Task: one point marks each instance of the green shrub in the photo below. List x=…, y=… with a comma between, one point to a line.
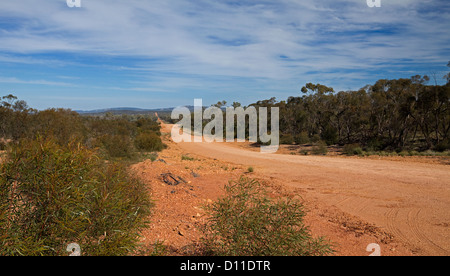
x=304, y=152
x=53, y=195
x=62, y=124
x=250, y=169
x=375, y=144
x=152, y=156
x=353, y=149
x=187, y=158
x=315, y=138
x=286, y=139
x=148, y=124
x=149, y=141
x=245, y=222
x=302, y=138
x=330, y=135
x=117, y=146
x=443, y=146
x=320, y=148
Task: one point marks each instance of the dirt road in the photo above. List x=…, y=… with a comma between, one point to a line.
x=410, y=200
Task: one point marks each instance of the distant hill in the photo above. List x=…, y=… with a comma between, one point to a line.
x=127, y=110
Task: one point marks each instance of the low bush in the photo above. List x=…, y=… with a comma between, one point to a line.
x=149, y=141
x=302, y=138
x=152, y=156
x=187, y=158
x=320, y=148
x=304, y=152
x=117, y=146
x=330, y=135
x=62, y=124
x=148, y=124
x=443, y=146
x=315, y=138
x=287, y=139
x=245, y=222
x=353, y=149
x=53, y=195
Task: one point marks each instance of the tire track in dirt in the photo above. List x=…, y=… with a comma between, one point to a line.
x=413, y=223
x=392, y=225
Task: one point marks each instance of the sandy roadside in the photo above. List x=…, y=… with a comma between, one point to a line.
x=354, y=202
x=409, y=200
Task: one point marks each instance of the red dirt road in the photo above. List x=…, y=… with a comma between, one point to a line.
x=410, y=200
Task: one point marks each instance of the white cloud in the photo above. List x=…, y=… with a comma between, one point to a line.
x=278, y=40
x=35, y=82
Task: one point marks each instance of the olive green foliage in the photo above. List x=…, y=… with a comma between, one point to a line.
x=122, y=137
x=246, y=222
x=389, y=115
x=443, y=146
x=62, y=124
x=116, y=146
x=53, y=195
x=14, y=116
x=59, y=189
x=302, y=138
x=287, y=139
x=116, y=136
x=149, y=141
x=187, y=158
x=319, y=148
x=353, y=149
x=330, y=135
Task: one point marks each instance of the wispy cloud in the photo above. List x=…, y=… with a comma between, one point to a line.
x=34, y=82
x=185, y=45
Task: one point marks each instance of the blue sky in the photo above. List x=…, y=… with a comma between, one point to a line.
x=148, y=54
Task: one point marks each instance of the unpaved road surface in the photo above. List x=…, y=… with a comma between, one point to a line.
x=410, y=200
